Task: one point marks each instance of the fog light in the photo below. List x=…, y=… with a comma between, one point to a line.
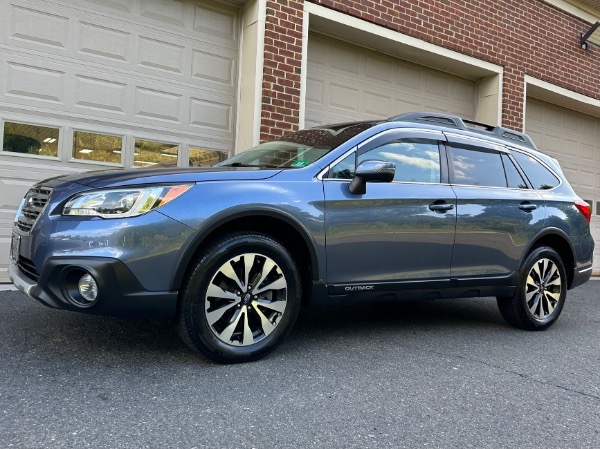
x=88, y=288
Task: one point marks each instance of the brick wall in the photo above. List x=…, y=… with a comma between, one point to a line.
x=526, y=37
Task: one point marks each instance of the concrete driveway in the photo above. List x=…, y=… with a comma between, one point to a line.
x=432, y=374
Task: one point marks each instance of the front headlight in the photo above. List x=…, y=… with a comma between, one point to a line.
x=120, y=203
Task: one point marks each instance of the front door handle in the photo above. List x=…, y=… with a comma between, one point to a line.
x=527, y=207
x=440, y=206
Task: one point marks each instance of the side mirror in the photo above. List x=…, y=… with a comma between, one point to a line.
x=371, y=171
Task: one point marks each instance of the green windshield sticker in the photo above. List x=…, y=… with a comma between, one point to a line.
x=300, y=164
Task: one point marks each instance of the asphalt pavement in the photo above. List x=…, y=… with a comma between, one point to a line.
x=436, y=374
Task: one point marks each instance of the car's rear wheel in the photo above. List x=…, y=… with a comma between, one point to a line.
x=241, y=298
x=541, y=291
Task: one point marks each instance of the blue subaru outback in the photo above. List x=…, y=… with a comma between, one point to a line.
x=418, y=206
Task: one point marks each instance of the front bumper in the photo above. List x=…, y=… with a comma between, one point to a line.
x=119, y=292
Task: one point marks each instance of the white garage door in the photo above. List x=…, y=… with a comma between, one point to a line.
x=348, y=82
x=89, y=83
x=573, y=139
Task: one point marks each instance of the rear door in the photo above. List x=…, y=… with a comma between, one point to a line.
x=397, y=231
x=498, y=212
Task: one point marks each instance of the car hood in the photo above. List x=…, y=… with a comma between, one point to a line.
x=120, y=177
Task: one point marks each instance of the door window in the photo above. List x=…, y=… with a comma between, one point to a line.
x=416, y=160
x=477, y=168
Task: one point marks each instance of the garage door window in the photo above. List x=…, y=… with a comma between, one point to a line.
x=155, y=154
x=97, y=147
x=30, y=139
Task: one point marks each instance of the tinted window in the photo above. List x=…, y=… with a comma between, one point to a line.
x=477, y=168
x=539, y=176
x=513, y=177
x=417, y=160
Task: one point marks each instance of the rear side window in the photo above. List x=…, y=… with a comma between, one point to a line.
x=540, y=177
x=513, y=177
x=477, y=168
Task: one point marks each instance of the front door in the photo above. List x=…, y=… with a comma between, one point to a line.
x=397, y=231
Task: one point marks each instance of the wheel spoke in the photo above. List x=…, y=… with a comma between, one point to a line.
x=248, y=263
x=248, y=337
x=266, y=269
x=228, y=271
x=551, y=272
x=536, y=271
x=529, y=292
x=555, y=281
x=215, y=315
x=535, y=304
x=228, y=331
x=218, y=292
x=277, y=306
x=267, y=326
x=549, y=303
x=555, y=296
x=275, y=285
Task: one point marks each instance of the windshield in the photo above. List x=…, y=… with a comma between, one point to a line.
x=298, y=149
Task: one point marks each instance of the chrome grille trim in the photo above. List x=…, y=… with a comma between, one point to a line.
x=35, y=202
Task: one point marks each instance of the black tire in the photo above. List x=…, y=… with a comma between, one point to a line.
x=541, y=291
x=222, y=315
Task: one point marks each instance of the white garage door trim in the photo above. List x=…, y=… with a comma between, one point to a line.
x=542, y=90
x=349, y=82
x=363, y=33
x=584, y=174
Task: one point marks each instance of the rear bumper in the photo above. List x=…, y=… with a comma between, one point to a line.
x=119, y=292
x=581, y=276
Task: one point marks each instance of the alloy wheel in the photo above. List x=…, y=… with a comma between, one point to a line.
x=543, y=288
x=246, y=299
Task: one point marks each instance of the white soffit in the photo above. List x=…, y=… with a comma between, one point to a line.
x=585, y=10
x=354, y=30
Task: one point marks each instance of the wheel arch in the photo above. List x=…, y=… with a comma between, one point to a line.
x=559, y=241
x=272, y=222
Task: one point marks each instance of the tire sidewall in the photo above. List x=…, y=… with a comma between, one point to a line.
x=197, y=286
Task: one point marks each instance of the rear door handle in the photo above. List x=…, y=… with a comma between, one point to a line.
x=527, y=207
x=440, y=206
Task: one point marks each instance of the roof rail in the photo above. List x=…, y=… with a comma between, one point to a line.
x=454, y=121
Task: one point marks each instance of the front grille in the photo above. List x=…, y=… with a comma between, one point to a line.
x=28, y=268
x=34, y=204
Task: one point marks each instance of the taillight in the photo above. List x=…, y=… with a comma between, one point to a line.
x=585, y=209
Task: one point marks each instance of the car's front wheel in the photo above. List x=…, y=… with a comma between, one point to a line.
x=241, y=298
x=541, y=291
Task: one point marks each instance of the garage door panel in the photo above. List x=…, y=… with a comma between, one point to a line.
x=39, y=26
x=379, y=68
x=160, y=55
x=347, y=82
x=103, y=42
x=157, y=70
x=170, y=11
x=100, y=94
x=26, y=80
x=571, y=137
